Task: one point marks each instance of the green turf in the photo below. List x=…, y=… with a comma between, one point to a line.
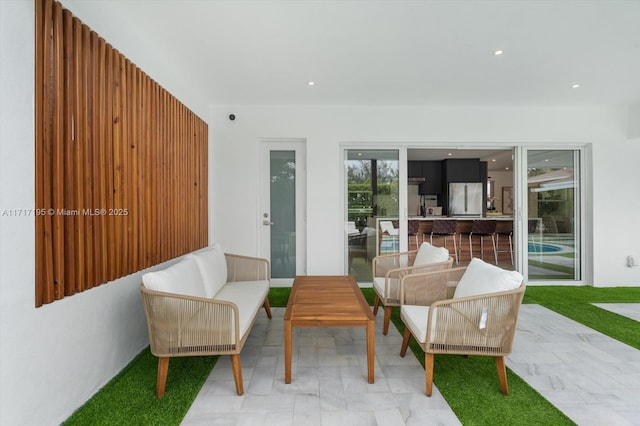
x=130, y=397
x=470, y=385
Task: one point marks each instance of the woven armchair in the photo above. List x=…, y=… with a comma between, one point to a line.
x=389, y=270
x=477, y=325
x=182, y=325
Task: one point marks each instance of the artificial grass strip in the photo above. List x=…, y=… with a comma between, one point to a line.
x=130, y=397
x=279, y=296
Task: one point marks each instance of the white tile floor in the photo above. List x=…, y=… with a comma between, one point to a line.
x=329, y=382
x=593, y=379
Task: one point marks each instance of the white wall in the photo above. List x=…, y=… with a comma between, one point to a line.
x=613, y=186
x=52, y=359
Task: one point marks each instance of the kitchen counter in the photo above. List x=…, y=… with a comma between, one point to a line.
x=504, y=222
x=500, y=217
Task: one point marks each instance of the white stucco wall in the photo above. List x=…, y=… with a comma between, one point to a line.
x=52, y=359
x=235, y=167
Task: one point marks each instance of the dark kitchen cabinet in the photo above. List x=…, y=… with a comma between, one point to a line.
x=461, y=170
x=414, y=169
x=432, y=172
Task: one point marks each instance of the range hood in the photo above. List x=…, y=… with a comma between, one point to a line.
x=416, y=180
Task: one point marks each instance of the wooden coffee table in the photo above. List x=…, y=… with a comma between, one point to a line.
x=327, y=301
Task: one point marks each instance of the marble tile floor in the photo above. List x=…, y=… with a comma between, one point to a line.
x=329, y=382
x=629, y=310
x=592, y=378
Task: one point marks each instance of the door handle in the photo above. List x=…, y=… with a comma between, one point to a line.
x=266, y=222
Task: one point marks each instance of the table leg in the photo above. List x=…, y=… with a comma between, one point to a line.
x=287, y=351
x=370, y=350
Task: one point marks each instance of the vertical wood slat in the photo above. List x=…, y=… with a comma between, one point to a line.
x=109, y=175
x=87, y=178
x=96, y=165
x=124, y=165
x=79, y=149
x=68, y=146
x=108, y=139
x=117, y=161
x=42, y=254
x=101, y=189
x=133, y=171
x=58, y=152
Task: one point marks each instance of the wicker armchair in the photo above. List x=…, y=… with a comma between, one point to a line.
x=388, y=271
x=186, y=325
x=483, y=324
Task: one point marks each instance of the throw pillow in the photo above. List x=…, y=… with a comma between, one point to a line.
x=482, y=278
x=213, y=266
x=428, y=254
x=180, y=278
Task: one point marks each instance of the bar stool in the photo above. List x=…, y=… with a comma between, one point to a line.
x=443, y=228
x=506, y=229
x=482, y=229
x=413, y=227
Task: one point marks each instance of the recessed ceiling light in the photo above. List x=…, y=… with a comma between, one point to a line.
x=359, y=154
x=575, y=86
x=450, y=154
x=494, y=160
x=311, y=83
x=498, y=52
x=506, y=168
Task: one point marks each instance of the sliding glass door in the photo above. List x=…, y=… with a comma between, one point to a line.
x=372, y=204
x=553, y=215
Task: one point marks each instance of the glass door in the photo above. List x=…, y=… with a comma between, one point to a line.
x=282, y=204
x=372, y=220
x=553, y=219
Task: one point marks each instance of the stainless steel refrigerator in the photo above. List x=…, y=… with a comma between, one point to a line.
x=465, y=199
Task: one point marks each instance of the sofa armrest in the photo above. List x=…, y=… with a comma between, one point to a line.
x=245, y=268
x=182, y=325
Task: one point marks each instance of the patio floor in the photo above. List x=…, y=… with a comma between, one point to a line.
x=592, y=378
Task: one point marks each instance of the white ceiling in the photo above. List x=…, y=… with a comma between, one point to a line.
x=361, y=52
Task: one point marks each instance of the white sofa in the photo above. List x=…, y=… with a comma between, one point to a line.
x=205, y=304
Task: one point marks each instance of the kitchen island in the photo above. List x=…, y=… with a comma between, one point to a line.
x=425, y=223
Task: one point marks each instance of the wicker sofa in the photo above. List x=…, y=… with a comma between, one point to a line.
x=205, y=304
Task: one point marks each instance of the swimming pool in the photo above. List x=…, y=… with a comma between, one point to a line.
x=543, y=248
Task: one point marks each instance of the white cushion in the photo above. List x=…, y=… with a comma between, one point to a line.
x=482, y=278
x=213, y=267
x=394, y=288
x=248, y=296
x=430, y=254
x=180, y=278
x=416, y=317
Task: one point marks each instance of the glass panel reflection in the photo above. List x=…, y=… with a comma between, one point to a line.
x=283, y=213
x=553, y=215
x=372, y=201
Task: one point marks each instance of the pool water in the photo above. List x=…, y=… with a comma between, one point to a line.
x=543, y=248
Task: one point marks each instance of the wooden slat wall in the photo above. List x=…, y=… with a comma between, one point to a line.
x=121, y=164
